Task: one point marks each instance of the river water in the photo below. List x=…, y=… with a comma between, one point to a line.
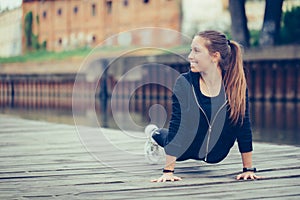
x=272, y=122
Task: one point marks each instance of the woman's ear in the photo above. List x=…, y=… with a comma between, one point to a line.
x=216, y=57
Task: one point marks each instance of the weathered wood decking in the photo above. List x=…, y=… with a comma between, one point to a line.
x=40, y=160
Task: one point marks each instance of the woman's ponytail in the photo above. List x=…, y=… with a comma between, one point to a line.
x=235, y=82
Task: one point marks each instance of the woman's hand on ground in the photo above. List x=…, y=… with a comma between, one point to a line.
x=247, y=175
x=167, y=177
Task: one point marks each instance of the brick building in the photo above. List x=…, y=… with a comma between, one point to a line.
x=67, y=24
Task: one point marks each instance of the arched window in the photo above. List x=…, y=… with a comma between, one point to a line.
x=94, y=39
x=59, y=11
x=45, y=14
x=93, y=9
x=109, y=6
x=75, y=10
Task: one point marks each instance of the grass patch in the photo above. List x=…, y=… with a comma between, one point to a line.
x=43, y=55
x=106, y=51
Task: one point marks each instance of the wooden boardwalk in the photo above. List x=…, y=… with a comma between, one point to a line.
x=41, y=160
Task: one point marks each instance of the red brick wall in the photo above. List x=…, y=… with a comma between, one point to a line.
x=72, y=28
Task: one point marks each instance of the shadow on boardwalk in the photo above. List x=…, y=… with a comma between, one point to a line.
x=40, y=160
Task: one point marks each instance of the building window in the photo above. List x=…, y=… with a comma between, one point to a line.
x=75, y=10
x=146, y=1
x=94, y=10
x=125, y=2
x=94, y=39
x=59, y=11
x=109, y=6
x=45, y=14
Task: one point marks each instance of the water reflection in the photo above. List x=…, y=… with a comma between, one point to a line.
x=273, y=122
x=276, y=122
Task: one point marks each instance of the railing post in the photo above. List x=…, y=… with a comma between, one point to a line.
x=103, y=93
x=12, y=102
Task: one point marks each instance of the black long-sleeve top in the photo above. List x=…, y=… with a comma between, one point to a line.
x=200, y=127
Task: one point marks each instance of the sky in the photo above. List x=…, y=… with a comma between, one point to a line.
x=9, y=4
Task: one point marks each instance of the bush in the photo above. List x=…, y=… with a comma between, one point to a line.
x=291, y=26
x=32, y=40
x=28, y=29
x=254, y=38
x=35, y=42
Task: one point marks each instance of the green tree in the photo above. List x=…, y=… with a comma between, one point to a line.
x=291, y=26
x=28, y=30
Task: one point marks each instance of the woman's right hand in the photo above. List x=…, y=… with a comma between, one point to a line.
x=167, y=177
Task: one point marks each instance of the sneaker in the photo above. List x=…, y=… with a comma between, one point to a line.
x=150, y=130
x=153, y=152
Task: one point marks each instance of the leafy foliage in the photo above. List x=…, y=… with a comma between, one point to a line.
x=28, y=29
x=291, y=26
x=32, y=40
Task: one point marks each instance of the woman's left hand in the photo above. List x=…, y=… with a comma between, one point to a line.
x=248, y=175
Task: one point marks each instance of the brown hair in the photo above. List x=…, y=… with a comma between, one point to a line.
x=231, y=62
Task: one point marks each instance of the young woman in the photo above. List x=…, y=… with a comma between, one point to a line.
x=209, y=109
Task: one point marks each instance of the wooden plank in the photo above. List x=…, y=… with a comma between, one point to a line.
x=40, y=160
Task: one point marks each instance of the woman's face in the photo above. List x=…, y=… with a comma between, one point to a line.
x=199, y=57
